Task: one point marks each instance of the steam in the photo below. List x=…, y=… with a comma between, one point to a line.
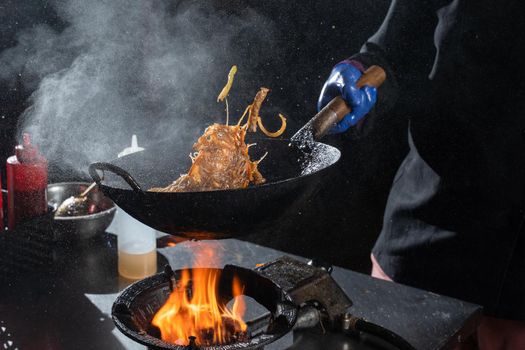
x=123, y=67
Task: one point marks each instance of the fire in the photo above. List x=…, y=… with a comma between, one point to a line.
x=194, y=309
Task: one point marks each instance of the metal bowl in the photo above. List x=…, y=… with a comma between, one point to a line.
x=79, y=227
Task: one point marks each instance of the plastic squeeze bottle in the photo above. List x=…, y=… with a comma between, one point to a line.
x=137, y=243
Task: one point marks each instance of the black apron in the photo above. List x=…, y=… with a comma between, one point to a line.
x=454, y=217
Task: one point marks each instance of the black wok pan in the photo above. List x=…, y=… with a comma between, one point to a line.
x=293, y=170
x=291, y=174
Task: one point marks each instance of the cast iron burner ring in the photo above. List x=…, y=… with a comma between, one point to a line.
x=135, y=307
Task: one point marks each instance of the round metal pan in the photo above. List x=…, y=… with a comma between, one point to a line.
x=292, y=173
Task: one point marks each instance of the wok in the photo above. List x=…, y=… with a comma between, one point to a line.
x=291, y=174
x=293, y=170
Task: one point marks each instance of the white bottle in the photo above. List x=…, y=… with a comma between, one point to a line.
x=137, y=243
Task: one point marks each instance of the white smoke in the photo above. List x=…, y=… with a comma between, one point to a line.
x=118, y=67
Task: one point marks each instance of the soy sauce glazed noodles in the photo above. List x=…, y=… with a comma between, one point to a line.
x=221, y=160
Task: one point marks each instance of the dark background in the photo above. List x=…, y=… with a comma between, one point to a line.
x=341, y=223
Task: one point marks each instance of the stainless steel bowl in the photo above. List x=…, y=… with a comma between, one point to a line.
x=83, y=226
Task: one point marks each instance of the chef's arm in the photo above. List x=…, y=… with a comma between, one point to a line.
x=393, y=47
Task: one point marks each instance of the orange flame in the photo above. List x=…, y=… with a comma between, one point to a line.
x=194, y=309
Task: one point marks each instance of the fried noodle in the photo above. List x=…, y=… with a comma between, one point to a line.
x=221, y=159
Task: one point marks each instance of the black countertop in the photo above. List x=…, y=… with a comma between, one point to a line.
x=60, y=296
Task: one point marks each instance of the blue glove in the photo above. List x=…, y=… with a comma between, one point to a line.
x=342, y=82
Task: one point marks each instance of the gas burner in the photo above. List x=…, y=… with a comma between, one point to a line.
x=134, y=309
x=295, y=294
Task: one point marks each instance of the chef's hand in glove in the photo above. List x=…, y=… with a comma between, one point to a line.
x=342, y=82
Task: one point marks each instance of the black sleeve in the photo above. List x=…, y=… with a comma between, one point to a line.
x=404, y=39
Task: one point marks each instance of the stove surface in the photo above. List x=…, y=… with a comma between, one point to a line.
x=60, y=297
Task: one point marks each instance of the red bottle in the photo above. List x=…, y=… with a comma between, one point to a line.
x=26, y=183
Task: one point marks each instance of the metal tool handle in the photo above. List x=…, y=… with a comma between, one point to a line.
x=336, y=109
x=115, y=170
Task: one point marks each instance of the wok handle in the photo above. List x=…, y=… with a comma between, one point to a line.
x=116, y=170
x=336, y=109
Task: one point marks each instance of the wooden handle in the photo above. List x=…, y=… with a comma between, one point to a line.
x=336, y=109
